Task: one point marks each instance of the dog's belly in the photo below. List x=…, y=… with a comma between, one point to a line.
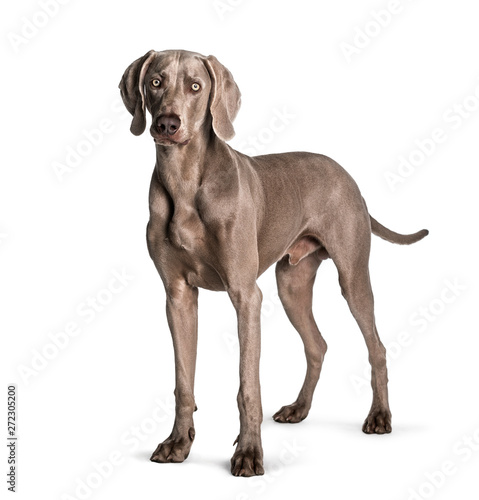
x=193, y=251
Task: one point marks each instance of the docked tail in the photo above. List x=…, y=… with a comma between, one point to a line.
x=388, y=235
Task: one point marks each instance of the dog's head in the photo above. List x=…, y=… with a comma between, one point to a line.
x=184, y=92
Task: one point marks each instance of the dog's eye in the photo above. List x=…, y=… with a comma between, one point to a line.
x=195, y=87
x=156, y=82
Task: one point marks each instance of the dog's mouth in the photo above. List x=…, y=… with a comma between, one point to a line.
x=168, y=140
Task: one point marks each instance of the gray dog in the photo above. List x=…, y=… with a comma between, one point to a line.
x=219, y=219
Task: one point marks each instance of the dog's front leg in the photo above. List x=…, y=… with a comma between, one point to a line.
x=182, y=314
x=248, y=457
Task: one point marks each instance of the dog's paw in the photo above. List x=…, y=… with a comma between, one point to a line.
x=291, y=414
x=378, y=422
x=247, y=461
x=174, y=449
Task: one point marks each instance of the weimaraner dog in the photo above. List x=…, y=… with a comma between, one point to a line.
x=219, y=219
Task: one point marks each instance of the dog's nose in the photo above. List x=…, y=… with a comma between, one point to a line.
x=168, y=124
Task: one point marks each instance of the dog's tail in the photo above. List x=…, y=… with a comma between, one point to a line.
x=393, y=237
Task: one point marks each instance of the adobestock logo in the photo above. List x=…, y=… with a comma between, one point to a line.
x=466, y=448
x=31, y=27
x=87, y=311
x=454, y=117
x=257, y=144
x=103, y=470
x=224, y=7
x=364, y=35
x=3, y=238
x=428, y=313
x=90, y=141
x=100, y=471
x=420, y=320
x=82, y=149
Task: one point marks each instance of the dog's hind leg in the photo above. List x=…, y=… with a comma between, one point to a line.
x=349, y=250
x=295, y=287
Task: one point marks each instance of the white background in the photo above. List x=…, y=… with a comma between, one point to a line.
x=63, y=237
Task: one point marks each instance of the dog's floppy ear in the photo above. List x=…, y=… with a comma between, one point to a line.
x=132, y=93
x=225, y=98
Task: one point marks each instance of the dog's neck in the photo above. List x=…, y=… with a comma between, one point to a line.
x=181, y=168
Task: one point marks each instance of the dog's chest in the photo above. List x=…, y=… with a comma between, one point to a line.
x=185, y=230
x=195, y=223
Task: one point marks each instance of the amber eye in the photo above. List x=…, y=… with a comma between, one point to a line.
x=156, y=82
x=195, y=87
